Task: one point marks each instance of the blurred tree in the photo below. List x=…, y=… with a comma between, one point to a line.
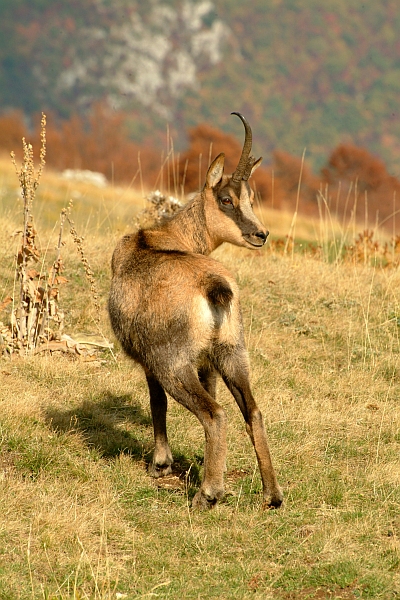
x=353, y=171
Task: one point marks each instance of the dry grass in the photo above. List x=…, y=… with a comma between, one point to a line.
x=81, y=518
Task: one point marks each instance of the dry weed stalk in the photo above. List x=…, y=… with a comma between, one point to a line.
x=78, y=240
x=38, y=295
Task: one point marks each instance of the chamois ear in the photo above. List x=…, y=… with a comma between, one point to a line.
x=215, y=171
x=255, y=166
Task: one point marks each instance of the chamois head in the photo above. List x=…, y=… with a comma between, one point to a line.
x=229, y=199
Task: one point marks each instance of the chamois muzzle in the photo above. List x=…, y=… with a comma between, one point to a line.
x=256, y=239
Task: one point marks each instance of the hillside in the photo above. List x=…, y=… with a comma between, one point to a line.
x=308, y=74
x=80, y=517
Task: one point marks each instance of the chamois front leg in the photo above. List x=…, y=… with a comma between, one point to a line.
x=162, y=457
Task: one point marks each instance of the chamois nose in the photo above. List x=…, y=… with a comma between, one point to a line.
x=262, y=235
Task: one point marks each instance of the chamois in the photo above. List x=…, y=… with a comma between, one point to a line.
x=176, y=312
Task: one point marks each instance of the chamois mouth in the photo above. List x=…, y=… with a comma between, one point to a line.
x=257, y=240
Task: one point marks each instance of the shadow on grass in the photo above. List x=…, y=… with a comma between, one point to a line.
x=114, y=425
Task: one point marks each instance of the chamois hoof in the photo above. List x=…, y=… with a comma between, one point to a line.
x=272, y=500
x=203, y=501
x=157, y=471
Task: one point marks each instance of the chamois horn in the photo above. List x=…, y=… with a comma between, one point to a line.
x=246, y=161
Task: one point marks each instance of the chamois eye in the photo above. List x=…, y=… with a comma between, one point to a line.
x=226, y=201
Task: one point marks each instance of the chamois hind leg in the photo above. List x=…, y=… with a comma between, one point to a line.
x=208, y=379
x=186, y=389
x=235, y=373
x=162, y=457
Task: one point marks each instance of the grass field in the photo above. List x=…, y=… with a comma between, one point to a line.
x=81, y=519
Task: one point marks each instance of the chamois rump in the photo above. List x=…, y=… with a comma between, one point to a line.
x=176, y=312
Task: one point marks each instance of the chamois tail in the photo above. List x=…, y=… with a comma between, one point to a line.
x=218, y=291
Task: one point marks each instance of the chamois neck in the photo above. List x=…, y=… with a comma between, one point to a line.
x=186, y=231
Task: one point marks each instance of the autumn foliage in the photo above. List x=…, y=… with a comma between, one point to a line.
x=352, y=183
x=98, y=142
x=363, y=177
x=12, y=130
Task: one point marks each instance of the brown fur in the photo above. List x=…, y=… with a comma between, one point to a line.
x=176, y=311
